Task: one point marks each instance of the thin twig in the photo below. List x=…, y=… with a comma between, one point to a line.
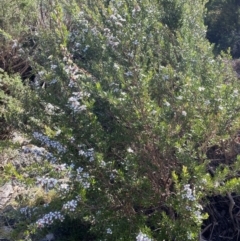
x=232, y=204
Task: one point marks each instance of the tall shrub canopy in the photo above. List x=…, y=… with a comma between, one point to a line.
x=127, y=100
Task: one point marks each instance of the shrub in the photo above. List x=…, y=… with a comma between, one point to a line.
x=132, y=104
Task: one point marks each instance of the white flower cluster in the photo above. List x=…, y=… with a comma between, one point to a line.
x=188, y=193
x=80, y=94
x=38, y=151
x=112, y=176
x=94, y=31
x=53, y=66
x=26, y=211
x=48, y=219
x=111, y=40
x=74, y=104
x=46, y=182
x=64, y=187
x=72, y=83
x=83, y=177
x=71, y=69
x=117, y=17
x=184, y=113
x=49, y=156
x=60, y=167
x=46, y=141
x=197, y=214
x=142, y=237
x=129, y=73
x=89, y=153
x=109, y=230
x=196, y=208
x=189, y=236
x=70, y=205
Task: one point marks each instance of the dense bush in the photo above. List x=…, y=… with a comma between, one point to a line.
x=125, y=105
x=17, y=23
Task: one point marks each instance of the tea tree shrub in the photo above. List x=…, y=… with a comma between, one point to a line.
x=132, y=103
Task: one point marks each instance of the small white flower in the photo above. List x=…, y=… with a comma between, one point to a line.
x=165, y=77
x=64, y=186
x=129, y=73
x=201, y=88
x=184, y=113
x=41, y=73
x=102, y=163
x=113, y=17
x=189, y=235
x=220, y=107
x=112, y=176
x=79, y=170
x=188, y=193
x=70, y=205
x=130, y=150
x=154, y=112
x=113, y=44
x=71, y=84
x=58, y=133
x=85, y=175
x=188, y=208
x=130, y=55
x=109, y=231
x=207, y=102
x=179, y=97
x=204, y=181
x=86, y=48
x=142, y=237
x=53, y=81
x=72, y=139
x=81, y=153
x=116, y=66
x=53, y=66
x=135, y=42
x=107, y=30
x=167, y=103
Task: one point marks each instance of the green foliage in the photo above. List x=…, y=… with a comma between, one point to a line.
x=10, y=89
x=17, y=22
x=131, y=100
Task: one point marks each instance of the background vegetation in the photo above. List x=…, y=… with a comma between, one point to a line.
x=223, y=21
